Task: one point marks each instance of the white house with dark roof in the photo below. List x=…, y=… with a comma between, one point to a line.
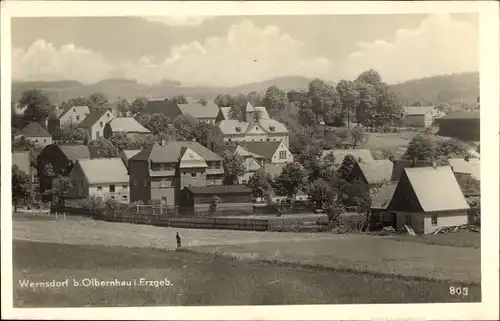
x=416, y=203
x=104, y=178
x=126, y=125
x=37, y=134
x=94, y=123
x=70, y=114
x=229, y=132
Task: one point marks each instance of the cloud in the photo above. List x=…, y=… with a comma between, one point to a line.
x=246, y=54
x=440, y=45
x=43, y=61
x=177, y=21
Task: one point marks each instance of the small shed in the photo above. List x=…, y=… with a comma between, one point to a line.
x=229, y=197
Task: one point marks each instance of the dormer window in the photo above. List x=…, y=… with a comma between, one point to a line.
x=256, y=128
x=102, y=124
x=238, y=129
x=107, y=115
x=74, y=110
x=77, y=117
x=272, y=128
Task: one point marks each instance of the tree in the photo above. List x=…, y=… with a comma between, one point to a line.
x=371, y=77
x=451, y=148
x=349, y=98
x=236, y=113
x=322, y=193
x=202, y=102
x=260, y=183
x=37, y=104
x=156, y=123
x=346, y=166
x=71, y=133
x=421, y=147
x=292, y=179
x=275, y=98
x=98, y=101
x=323, y=99
x=255, y=98
x=123, y=107
x=78, y=101
x=366, y=103
x=387, y=103
x=179, y=99
x=224, y=100
x=121, y=141
x=21, y=186
x=234, y=166
x=138, y=105
x=61, y=185
x=104, y=148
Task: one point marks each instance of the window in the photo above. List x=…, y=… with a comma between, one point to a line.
x=112, y=188
x=262, y=139
x=107, y=115
x=434, y=219
x=124, y=197
x=268, y=139
x=44, y=140
x=124, y=186
x=217, y=165
x=271, y=128
x=163, y=183
x=102, y=124
x=77, y=117
x=73, y=182
x=36, y=140
x=112, y=197
x=238, y=129
x=99, y=188
x=282, y=155
x=229, y=140
x=243, y=182
x=81, y=183
x=193, y=175
x=97, y=134
x=74, y=110
x=408, y=220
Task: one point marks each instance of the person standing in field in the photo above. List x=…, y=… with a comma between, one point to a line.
x=178, y=238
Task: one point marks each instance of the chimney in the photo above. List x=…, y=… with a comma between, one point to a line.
x=163, y=142
x=466, y=158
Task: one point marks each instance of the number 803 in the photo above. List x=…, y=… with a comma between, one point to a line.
x=459, y=290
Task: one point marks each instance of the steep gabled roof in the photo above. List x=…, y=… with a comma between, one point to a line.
x=93, y=117
x=83, y=109
x=75, y=152
x=376, y=171
x=166, y=107
x=127, y=125
x=264, y=149
x=436, y=189
x=104, y=170
x=35, y=129
x=211, y=110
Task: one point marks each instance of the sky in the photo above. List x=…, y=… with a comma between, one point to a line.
x=235, y=50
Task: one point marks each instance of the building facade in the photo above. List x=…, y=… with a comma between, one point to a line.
x=94, y=123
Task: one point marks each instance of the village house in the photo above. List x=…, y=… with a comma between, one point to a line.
x=252, y=161
x=420, y=116
x=125, y=125
x=160, y=173
x=418, y=206
x=168, y=108
x=95, y=121
x=37, y=134
x=61, y=117
x=274, y=152
x=103, y=178
x=361, y=155
x=208, y=113
x=464, y=125
x=60, y=160
x=231, y=132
